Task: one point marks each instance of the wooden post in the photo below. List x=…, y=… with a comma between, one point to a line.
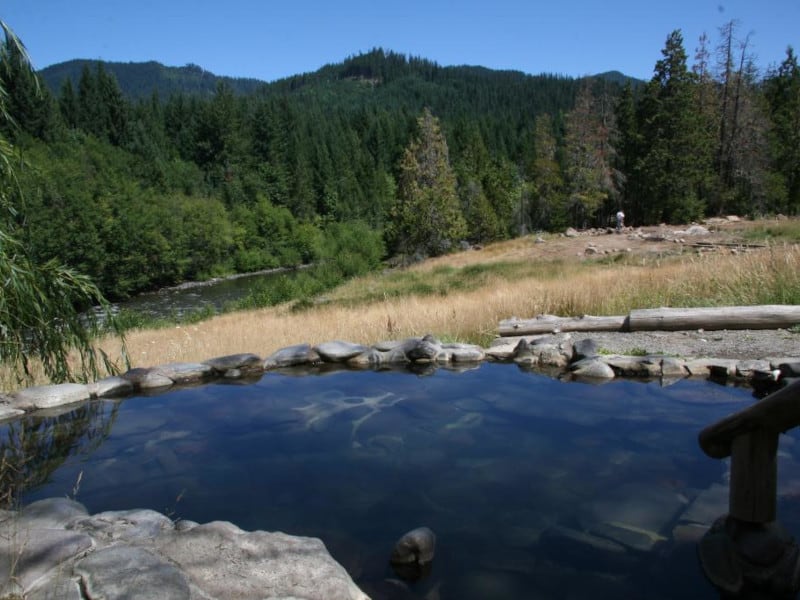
x=754, y=477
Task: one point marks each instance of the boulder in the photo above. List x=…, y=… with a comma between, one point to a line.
x=634, y=366
x=222, y=561
x=425, y=350
x=51, y=545
x=416, y=546
x=110, y=387
x=591, y=368
x=48, y=396
x=752, y=368
x=147, y=379
x=301, y=354
x=50, y=513
x=461, y=353
x=242, y=362
x=127, y=572
x=7, y=413
x=181, y=373
x=123, y=525
x=338, y=351
x=369, y=358
x=585, y=348
x=672, y=368
x=524, y=354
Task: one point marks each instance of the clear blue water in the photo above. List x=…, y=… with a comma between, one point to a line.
x=491, y=459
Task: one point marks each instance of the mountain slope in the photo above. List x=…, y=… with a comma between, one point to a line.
x=140, y=80
x=372, y=69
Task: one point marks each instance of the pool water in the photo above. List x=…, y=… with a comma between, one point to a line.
x=521, y=476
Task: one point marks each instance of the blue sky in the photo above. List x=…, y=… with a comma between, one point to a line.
x=269, y=40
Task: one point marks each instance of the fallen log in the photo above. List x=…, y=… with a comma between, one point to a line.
x=773, y=316
x=552, y=324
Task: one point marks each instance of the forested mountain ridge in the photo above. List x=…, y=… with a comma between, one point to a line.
x=386, y=154
x=138, y=80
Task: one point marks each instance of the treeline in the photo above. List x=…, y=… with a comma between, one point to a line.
x=387, y=155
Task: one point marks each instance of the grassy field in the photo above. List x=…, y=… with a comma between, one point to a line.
x=462, y=297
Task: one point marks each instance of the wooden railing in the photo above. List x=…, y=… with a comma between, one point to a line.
x=747, y=554
x=750, y=438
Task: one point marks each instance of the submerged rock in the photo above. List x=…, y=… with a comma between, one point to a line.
x=416, y=546
x=412, y=554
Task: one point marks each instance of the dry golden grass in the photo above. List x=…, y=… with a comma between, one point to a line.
x=568, y=288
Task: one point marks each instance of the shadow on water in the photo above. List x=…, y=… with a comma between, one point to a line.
x=535, y=488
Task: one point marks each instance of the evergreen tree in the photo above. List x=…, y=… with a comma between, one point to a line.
x=31, y=104
x=588, y=155
x=68, y=104
x=674, y=166
x=548, y=209
x=427, y=218
x=782, y=90
x=628, y=143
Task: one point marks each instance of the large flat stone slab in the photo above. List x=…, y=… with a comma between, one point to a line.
x=129, y=573
x=27, y=555
x=635, y=506
x=223, y=561
x=54, y=549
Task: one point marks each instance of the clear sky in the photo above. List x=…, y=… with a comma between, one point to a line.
x=268, y=40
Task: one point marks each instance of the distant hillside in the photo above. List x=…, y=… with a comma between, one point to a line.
x=140, y=80
x=377, y=67
x=618, y=78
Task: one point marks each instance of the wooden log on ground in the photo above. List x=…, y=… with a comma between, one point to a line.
x=772, y=316
x=550, y=324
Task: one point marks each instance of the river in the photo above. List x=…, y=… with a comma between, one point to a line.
x=187, y=298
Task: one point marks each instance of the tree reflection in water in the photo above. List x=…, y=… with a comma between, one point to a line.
x=32, y=448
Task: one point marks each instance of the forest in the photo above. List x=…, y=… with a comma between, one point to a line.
x=383, y=157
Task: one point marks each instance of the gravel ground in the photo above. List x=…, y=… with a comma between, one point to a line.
x=739, y=344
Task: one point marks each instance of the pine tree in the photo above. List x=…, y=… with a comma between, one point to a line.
x=782, y=90
x=426, y=218
x=547, y=210
x=588, y=157
x=673, y=165
x=29, y=102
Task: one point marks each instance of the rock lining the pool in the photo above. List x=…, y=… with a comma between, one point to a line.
x=54, y=548
x=568, y=355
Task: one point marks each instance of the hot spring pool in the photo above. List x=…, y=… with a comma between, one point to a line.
x=507, y=466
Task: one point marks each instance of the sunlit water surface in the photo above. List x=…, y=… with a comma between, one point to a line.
x=494, y=460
